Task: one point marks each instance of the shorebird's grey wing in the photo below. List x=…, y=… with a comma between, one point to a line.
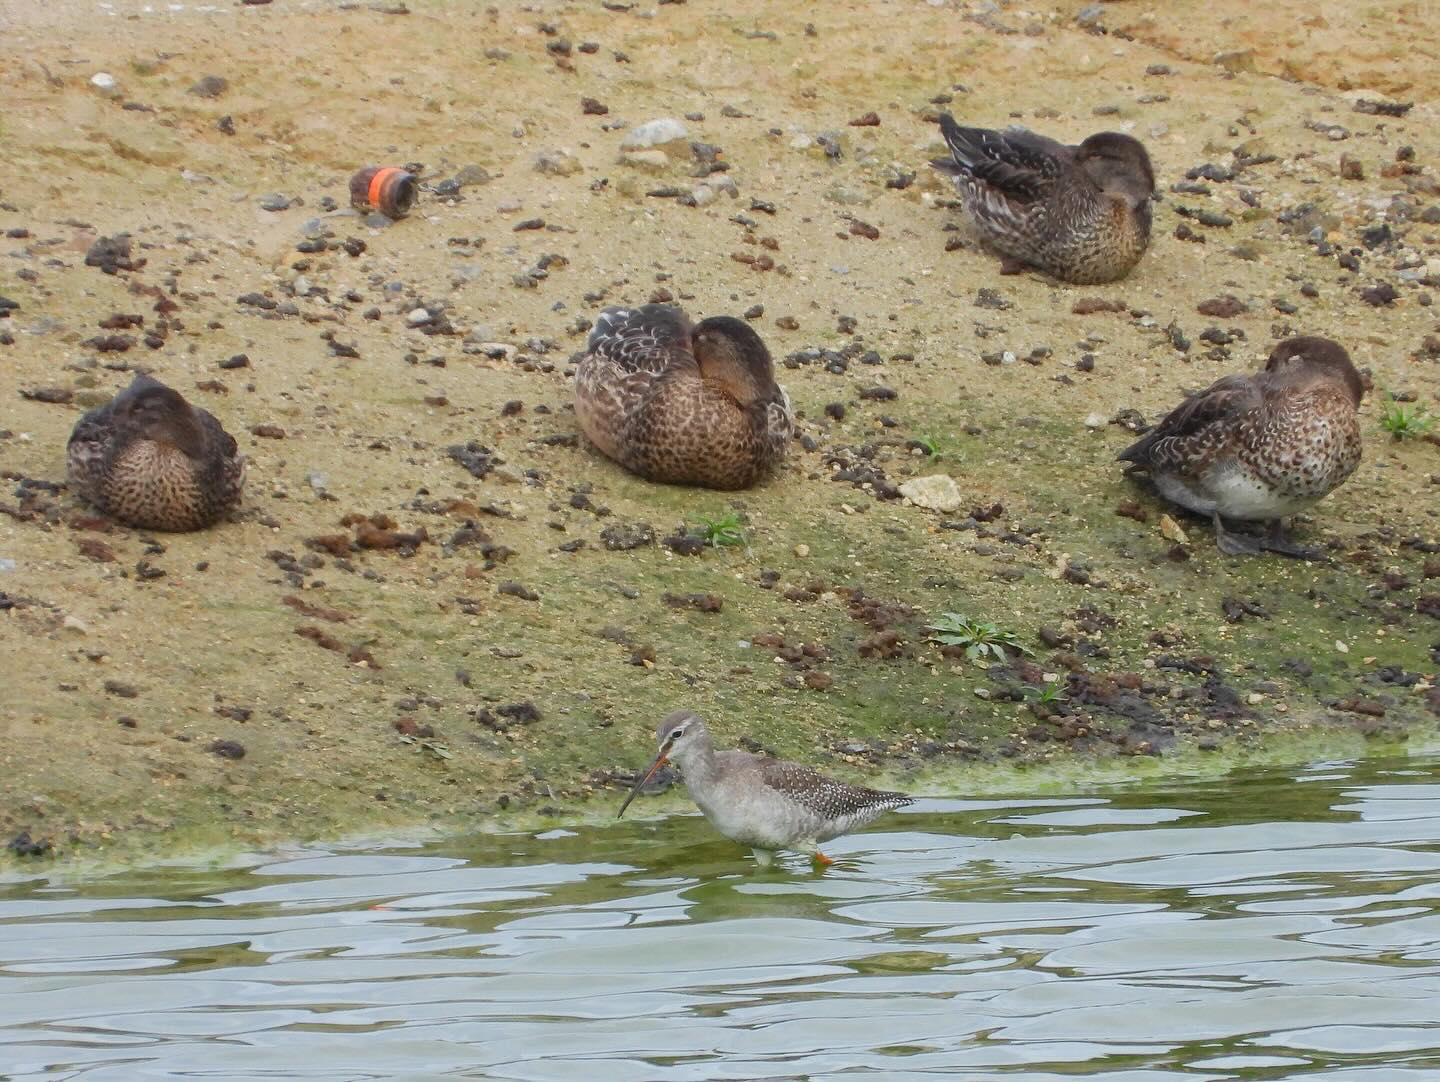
x=826, y=797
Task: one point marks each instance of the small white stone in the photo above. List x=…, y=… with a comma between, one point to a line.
x=557, y=163
x=660, y=132
x=802, y=550
x=104, y=82
x=75, y=624
x=937, y=492
x=418, y=317
x=1095, y=420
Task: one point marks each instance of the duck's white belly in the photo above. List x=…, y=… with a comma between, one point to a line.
x=1234, y=493
x=1238, y=494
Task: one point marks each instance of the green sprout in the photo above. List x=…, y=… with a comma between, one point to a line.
x=980, y=638
x=1051, y=693
x=1404, y=423
x=929, y=444
x=719, y=532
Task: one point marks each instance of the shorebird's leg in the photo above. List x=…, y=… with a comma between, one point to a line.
x=1233, y=544
x=1278, y=542
x=763, y=857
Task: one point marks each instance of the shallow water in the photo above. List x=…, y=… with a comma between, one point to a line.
x=1282, y=925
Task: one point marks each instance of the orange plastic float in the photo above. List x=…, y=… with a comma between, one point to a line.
x=386, y=188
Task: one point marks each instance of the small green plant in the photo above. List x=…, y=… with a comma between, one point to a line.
x=719, y=532
x=1403, y=423
x=434, y=747
x=929, y=444
x=980, y=638
x=1052, y=692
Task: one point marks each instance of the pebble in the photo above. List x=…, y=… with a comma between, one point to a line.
x=651, y=160
x=212, y=86
x=274, y=202
x=554, y=163
x=936, y=492
x=418, y=317
x=666, y=132
x=106, y=83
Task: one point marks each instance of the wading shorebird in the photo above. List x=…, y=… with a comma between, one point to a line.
x=1260, y=447
x=679, y=402
x=767, y=804
x=150, y=459
x=1080, y=213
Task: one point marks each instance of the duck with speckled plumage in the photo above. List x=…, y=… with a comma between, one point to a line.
x=150, y=459
x=680, y=402
x=1080, y=213
x=1260, y=447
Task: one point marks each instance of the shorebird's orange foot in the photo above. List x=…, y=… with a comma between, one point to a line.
x=821, y=859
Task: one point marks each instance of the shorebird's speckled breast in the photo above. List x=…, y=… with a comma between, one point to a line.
x=771, y=804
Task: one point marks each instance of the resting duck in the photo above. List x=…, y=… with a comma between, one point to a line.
x=1260, y=447
x=682, y=403
x=1080, y=213
x=150, y=459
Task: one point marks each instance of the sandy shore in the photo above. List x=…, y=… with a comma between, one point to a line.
x=271, y=679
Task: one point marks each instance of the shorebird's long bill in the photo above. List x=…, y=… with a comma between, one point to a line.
x=660, y=760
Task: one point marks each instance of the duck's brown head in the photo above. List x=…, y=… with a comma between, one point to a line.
x=153, y=411
x=1118, y=163
x=1310, y=357
x=730, y=352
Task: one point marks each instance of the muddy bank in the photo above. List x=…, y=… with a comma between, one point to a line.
x=438, y=605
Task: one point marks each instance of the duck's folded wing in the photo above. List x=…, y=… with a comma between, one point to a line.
x=650, y=339
x=96, y=427
x=1016, y=162
x=1203, y=418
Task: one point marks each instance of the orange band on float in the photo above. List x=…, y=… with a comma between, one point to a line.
x=377, y=182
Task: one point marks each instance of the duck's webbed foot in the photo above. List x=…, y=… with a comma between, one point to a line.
x=1278, y=542
x=1234, y=544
